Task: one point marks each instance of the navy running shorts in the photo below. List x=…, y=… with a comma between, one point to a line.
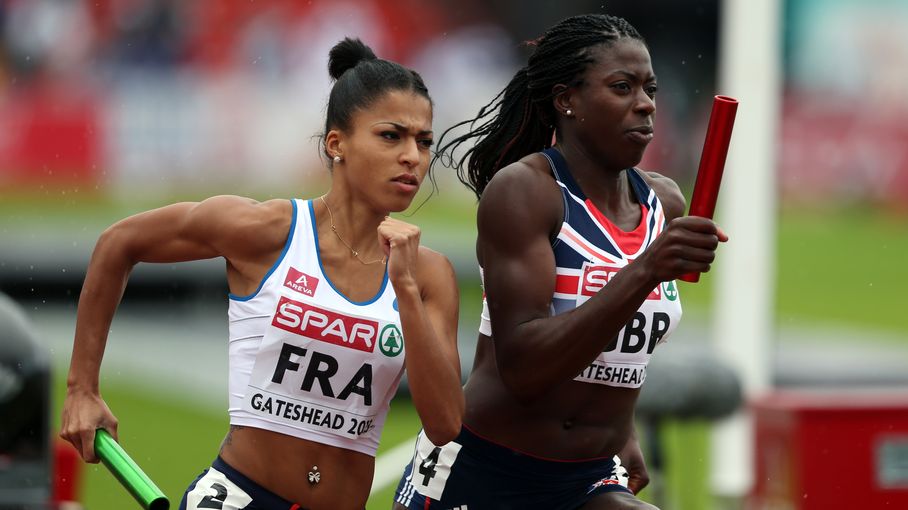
x=473, y=473
x=225, y=488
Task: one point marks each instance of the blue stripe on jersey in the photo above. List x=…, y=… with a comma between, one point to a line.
x=583, y=238
x=276, y=262
x=578, y=218
x=564, y=177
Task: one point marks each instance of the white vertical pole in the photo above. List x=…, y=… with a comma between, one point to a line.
x=750, y=70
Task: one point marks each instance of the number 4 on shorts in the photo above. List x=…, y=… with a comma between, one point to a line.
x=427, y=466
x=432, y=466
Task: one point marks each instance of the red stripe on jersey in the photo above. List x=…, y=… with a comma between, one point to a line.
x=566, y=284
x=660, y=222
x=589, y=247
x=628, y=242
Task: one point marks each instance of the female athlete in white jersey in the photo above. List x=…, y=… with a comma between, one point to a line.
x=329, y=299
x=579, y=251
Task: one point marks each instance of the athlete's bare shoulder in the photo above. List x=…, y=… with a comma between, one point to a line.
x=532, y=169
x=521, y=206
x=432, y=257
x=243, y=221
x=434, y=267
x=272, y=213
x=525, y=188
x=669, y=194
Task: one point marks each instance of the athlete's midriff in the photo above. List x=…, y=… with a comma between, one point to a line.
x=282, y=463
x=573, y=421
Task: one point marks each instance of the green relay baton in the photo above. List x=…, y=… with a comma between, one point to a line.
x=129, y=473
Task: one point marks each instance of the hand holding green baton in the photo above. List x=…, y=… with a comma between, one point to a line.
x=129, y=473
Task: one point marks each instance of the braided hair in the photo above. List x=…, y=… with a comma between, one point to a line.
x=520, y=119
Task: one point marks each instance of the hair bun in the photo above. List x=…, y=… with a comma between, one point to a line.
x=346, y=54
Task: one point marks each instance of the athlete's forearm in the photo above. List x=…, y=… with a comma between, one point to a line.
x=632, y=458
x=540, y=354
x=431, y=370
x=105, y=281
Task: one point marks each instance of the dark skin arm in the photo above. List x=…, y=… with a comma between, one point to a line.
x=520, y=211
x=632, y=460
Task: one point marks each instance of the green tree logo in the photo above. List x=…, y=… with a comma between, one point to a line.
x=391, y=341
x=670, y=291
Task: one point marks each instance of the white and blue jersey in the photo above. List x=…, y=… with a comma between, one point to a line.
x=304, y=359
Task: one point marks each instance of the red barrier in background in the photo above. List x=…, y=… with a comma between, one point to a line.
x=50, y=135
x=835, y=148
x=825, y=450
x=67, y=473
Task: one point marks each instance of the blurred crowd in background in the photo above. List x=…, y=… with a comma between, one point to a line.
x=166, y=95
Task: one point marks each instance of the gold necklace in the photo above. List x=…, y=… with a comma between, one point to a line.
x=345, y=243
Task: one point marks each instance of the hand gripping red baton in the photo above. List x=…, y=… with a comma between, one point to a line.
x=712, y=163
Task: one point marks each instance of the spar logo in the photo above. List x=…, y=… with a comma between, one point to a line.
x=391, y=342
x=595, y=277
x=300, y=282
x=325, y=325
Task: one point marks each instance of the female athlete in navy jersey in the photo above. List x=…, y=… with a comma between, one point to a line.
x=578, y=252
x=329, y=298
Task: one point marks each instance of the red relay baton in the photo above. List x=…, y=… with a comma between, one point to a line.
x=712, y=163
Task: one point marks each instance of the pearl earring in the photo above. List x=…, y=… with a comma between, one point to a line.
x=337, y=159
x=569, y=112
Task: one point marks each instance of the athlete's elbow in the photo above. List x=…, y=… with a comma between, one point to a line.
x=442, y=424
x=441, y=436
x=443, y=431
x=114, y=246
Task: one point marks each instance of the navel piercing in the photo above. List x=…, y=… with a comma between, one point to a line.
x=314, y=475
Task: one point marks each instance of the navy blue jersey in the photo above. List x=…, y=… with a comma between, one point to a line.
x=589, y=250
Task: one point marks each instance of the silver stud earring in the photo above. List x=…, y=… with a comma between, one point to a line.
x=569, y=112
x=337, y=159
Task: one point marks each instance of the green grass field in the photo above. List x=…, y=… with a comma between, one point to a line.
x=835, y=267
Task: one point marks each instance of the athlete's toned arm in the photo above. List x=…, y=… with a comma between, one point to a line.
x=520, y=211
x=428, y=300
x=219, y=226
